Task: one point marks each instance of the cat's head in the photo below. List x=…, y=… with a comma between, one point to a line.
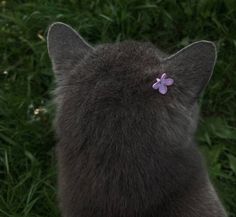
x=109, y=87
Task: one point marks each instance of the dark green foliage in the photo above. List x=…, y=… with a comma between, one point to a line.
x=27, y=163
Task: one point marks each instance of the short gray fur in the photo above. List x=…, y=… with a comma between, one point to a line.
x=125, y=150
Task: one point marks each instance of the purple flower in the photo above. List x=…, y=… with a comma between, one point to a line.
x=162, y=83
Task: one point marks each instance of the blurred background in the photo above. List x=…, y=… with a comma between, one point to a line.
x=27, y=162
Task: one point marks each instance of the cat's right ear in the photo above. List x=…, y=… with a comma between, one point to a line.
x=65, y=47
x=191, y=68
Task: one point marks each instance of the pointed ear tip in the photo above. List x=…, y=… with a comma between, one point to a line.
x=55, y=26
x=209, y=44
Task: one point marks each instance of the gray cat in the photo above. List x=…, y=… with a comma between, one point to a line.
x=126, y=118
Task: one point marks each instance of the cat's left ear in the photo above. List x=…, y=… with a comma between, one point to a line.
x=192, y=67
x=65, y=47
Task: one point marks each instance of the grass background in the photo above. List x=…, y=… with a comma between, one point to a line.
x=27, y=164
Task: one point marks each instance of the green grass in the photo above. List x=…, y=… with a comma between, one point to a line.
x=27, y=162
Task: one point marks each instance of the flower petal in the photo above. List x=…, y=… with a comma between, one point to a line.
x=163, y=89
x=163, y=76
x=168, y=81
x=156, y=85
